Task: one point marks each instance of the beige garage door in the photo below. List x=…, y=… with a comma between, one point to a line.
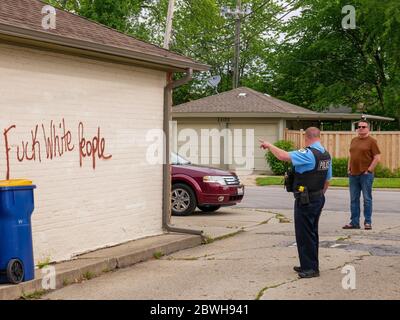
x=265, y=131
x=227, y=149
x=201, y=143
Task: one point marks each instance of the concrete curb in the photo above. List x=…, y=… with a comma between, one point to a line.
x=96, y=263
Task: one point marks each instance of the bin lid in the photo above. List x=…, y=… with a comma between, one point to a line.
x=15, y=183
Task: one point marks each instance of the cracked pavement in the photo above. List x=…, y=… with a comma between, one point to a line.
x=257, y=262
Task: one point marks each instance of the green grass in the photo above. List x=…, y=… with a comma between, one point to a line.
x=335, y=182
x=45, y=263
x=88, y=275
x=207, y=240
x=158, y=255
x=282, y=218
x=33, y=295
x=269, y=181
x=66, y=282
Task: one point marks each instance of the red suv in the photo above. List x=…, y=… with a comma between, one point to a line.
x=203, y=187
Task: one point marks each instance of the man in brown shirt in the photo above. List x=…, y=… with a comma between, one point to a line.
x=364, y=156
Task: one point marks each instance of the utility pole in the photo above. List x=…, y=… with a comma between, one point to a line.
x=236, y=61
x=237, y=14
x=168, y=30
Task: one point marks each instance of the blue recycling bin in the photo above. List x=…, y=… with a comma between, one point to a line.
x=16, y=251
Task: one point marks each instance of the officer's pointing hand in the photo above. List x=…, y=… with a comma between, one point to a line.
x=264, y=144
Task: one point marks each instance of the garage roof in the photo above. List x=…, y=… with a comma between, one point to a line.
x=23, y=19
x=247, y=103
x=241, y=100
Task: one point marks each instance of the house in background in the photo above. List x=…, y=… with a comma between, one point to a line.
x=76, y=105
x=245, y=109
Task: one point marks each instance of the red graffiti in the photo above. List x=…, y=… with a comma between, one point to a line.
x=92, y=148
x=57, y=145
x=8, y=150
x=35, y=148
x=57, y=141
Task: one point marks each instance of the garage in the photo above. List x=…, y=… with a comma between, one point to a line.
x=229, y=145
x=269, y=130
x=77, y=103
x=242, y=116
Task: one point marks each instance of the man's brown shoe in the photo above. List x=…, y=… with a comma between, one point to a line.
x=367, y=226
x=350, y=226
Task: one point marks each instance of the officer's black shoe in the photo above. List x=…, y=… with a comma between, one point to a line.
x=308, y=274
x=297, y=269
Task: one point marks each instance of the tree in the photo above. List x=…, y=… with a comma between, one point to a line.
x=309, y=60
x=321, y=64
x=122, y=15
x=201, y=33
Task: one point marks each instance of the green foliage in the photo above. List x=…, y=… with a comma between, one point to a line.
x=199, y=31
x=320, y=64
x=339, y=167
x=117, y=14
x=396, y=173
x=279, y=167
x=88, y=275
x=36, y=295
x=308, y=60
x=203, y=34
x=383, y=172
x=158, y=255
x=45, y=263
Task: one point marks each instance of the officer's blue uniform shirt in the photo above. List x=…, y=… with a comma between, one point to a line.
x=304, y=159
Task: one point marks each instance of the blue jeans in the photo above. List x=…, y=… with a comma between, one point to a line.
x=357, y=184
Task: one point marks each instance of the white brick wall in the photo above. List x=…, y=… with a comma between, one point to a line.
x=81, y=209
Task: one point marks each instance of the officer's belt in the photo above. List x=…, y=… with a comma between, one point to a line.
x=314, y=194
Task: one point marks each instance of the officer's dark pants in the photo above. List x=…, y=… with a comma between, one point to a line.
x=306, y=218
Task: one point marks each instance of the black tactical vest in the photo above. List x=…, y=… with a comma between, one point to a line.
x=314, y=179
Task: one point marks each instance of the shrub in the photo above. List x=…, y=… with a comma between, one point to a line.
x=339, y=167
x=396, y=173
x=279, y=167
x=383, y=172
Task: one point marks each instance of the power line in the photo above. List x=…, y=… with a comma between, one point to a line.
x=271, y=24
x=237, y=13
x=253, y=11
x=282, y=17
x=251, y=14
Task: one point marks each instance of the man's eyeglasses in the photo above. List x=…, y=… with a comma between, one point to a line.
x=362, y=127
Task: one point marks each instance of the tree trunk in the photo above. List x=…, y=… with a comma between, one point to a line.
x=381, y=77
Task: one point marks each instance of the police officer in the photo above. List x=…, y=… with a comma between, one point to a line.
x=312, y=172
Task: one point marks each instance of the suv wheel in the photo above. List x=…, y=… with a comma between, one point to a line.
x=209, y=208
x=183, y=200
